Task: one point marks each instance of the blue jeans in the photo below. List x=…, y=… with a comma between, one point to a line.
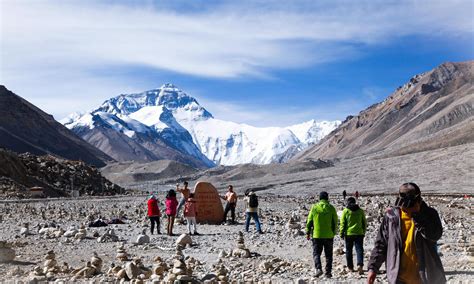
x=358, y=241
x=254, y=215
x=180, y=204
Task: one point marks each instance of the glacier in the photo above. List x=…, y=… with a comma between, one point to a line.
x=186, y=126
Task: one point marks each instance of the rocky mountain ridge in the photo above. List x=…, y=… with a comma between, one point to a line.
x=433, y=110
x=26, y=128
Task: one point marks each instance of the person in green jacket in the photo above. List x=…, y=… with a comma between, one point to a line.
x=321, y=228
x=352, y=228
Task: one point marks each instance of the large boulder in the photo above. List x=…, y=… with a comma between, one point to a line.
x=209, y=205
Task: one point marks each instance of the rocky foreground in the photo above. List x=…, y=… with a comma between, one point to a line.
x=52, y=241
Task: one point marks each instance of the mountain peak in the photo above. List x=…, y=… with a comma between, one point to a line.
x=168, y=96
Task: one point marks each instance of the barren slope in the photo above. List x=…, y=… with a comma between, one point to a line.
x=433, y=110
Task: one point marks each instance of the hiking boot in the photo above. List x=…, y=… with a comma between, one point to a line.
x=328, y=275
x=260, y=232
x=319, y=272
x=351, y=269
x=360, y=269
x=196, y=234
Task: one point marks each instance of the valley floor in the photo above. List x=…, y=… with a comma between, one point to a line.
x=281, y=254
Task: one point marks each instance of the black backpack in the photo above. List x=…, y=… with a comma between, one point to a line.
x=253, y=201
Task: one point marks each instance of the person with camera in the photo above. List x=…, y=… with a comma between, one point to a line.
x=251, y=211
x=406, y=241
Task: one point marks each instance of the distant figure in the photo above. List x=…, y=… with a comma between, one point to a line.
x=171, y=204
x=231, y=201
x=190, y=213
x=352, y=228
x=357, y=194
x=344, y=194
x=406, y=241
x=184, y=196
x=154, y=214
x=321, y=228
x=251, y=211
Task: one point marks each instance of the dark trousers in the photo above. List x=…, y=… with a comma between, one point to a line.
x=318, y=246
x=358, y=241
x=229, y=207
x=153, y=220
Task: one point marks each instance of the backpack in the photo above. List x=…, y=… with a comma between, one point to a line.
x=253, y=201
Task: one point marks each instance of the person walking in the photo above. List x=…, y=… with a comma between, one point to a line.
x=344, y=194
x=320, y=228
x=406, y=241
x=352, y=229
x=231, y=202
x=171, y=204
x=184, y=196
x=190, y=213
x=251, y=211
x=357, y=194
x=154, y=214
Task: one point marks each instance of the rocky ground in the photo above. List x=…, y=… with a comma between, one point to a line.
x=50, y=243
x=56, y=177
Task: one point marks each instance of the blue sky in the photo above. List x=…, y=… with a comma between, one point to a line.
x=265, y=63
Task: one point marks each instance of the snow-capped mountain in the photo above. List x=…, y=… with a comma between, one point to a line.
x=170, y=116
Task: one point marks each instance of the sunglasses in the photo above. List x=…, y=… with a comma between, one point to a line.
x=407, y=200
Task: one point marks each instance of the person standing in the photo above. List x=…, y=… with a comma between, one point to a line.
x=231, y=202
x=344, y=194
x=154, y=214
x=357, y=194
x=352, y=229
x=171, y=204
x=321, y=228
x=406, y=241
x=184, y=196
x=190, y=213
x=251, y=211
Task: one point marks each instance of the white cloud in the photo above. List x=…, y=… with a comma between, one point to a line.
x=48, y=48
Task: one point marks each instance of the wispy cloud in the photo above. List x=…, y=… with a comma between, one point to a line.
x=281, y=116
x=56, y=44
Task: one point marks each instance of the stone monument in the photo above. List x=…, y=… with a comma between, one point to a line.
x=209, y=205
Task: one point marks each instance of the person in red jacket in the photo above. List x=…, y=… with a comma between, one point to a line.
x=171, y=205
x=154, y=214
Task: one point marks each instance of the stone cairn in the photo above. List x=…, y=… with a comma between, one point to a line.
x=25, y=230
x=49, y=270
x=133, y=270
x=82, y=233
x=92, y=267
x=143, y=238
x=122, y=254
x=241, y=250
x=109, y=236
x=159, y=269
x=221, y=272
x=7, y=254
x=179, y=271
